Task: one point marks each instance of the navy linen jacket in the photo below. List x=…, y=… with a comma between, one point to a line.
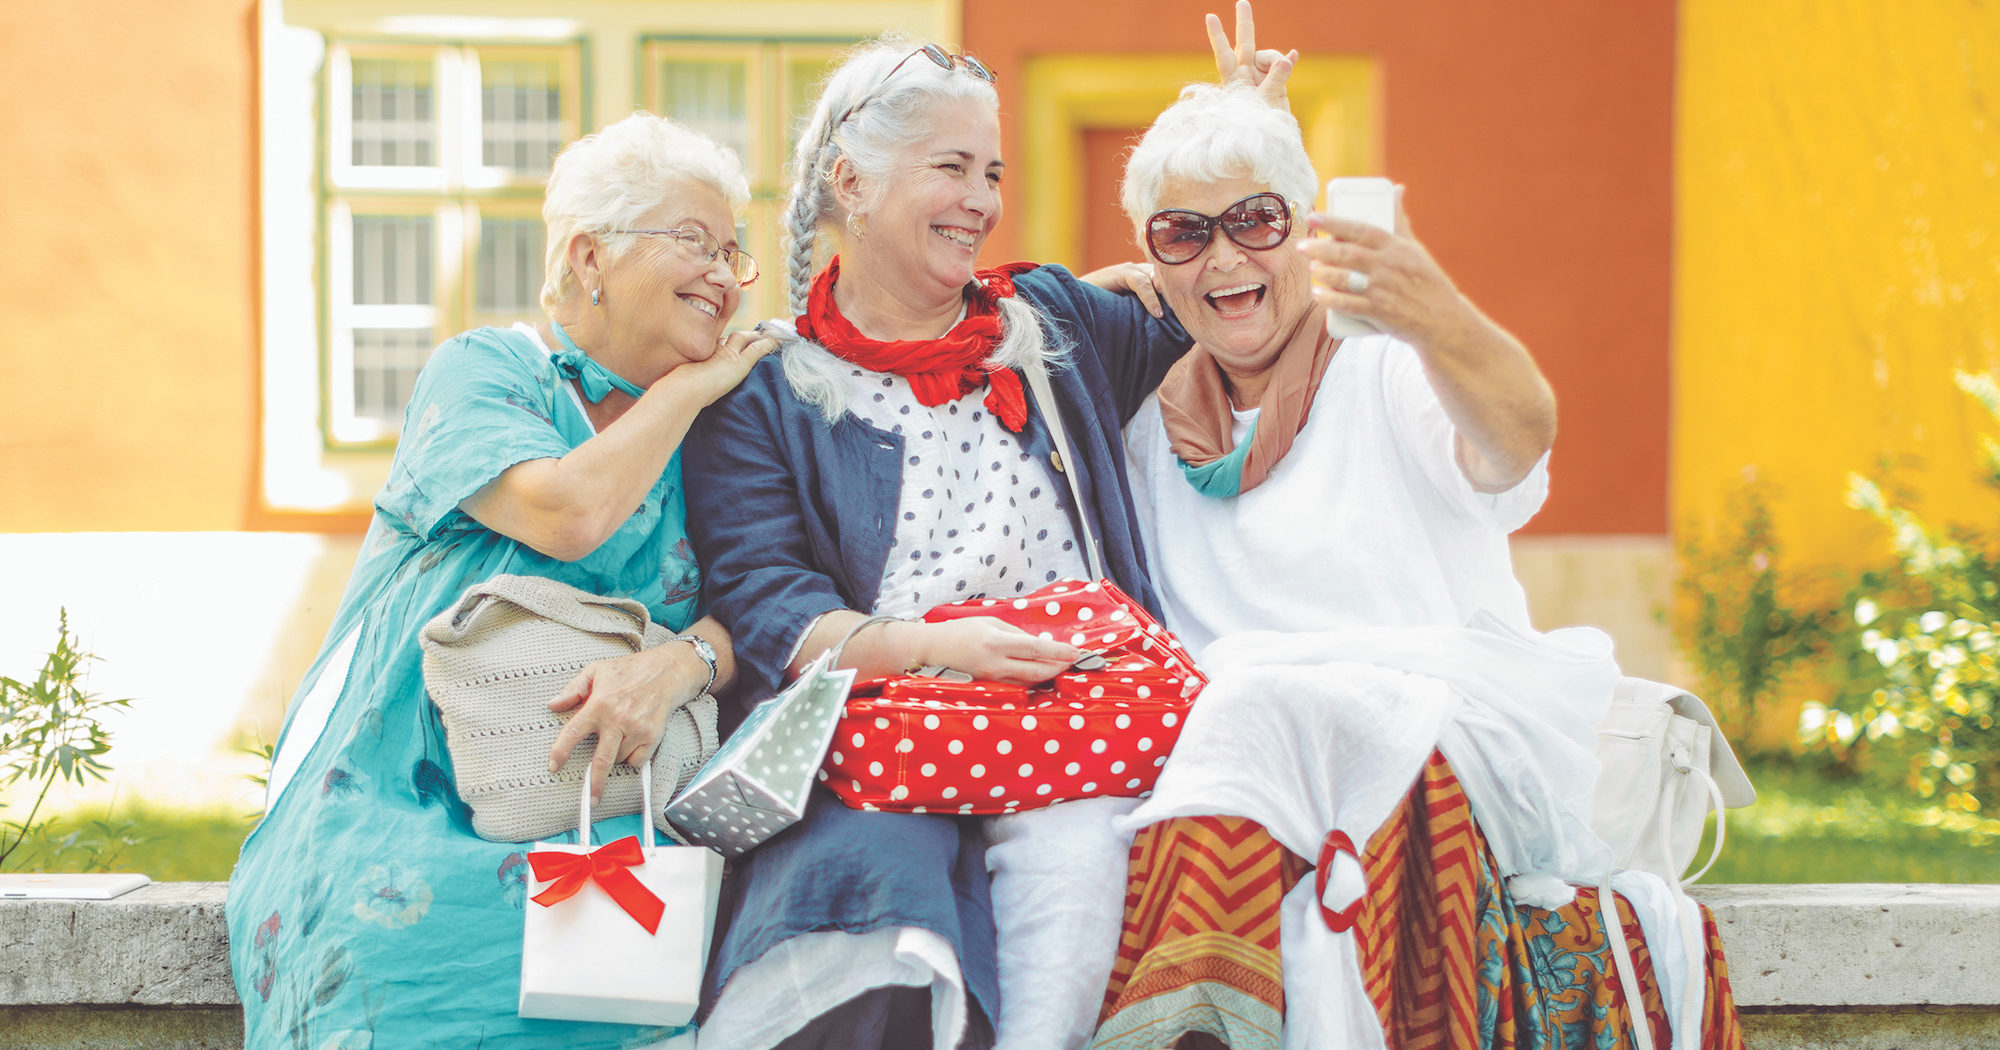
x=793, y=517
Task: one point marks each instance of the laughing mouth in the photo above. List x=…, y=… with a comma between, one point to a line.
x=701, y=304
x=962, y=238
x=1236, y=300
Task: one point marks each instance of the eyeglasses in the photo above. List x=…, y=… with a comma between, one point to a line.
x=1258, y=222
x=706, y=248
x=944, y=60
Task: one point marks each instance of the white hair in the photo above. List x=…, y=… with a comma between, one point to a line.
x=610, y=179
x=868, y=121
x=1213, y=132
x=881, y=119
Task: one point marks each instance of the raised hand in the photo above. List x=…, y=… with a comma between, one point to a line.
x=1241, y=63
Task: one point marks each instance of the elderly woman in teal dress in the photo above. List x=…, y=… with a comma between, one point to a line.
x=363, y=911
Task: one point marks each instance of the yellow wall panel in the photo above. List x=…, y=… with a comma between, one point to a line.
x=1837, y=256
x=127, y=207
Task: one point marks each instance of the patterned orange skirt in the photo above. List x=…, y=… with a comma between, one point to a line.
x=1447, y=957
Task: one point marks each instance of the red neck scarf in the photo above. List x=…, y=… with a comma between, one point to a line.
x=939, y=370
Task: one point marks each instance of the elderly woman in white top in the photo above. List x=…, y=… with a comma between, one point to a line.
x=1328, y=524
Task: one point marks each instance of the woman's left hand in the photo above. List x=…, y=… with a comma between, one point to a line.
x=1240, y=62
x=1387, y=279
x=1132, y=278
x=625, y=702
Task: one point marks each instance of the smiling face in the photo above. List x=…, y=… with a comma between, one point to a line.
x=938, y=204
x=660, y=297
x=1242, y=305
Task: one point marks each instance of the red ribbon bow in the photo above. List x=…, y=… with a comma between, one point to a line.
x=607, y=865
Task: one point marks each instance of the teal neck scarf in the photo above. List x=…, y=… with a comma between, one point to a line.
x=597, y=381
x=1221, y=478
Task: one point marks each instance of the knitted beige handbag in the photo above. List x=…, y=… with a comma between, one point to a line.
x=492, y=663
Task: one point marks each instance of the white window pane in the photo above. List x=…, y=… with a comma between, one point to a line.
x=392, y=259
x=509, y=266
x=520, y=106
x=710, y=97
x=393, y=118
x=386, y=362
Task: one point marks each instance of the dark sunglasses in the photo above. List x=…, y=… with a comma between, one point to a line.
x=1258, y=223
x=944, y=60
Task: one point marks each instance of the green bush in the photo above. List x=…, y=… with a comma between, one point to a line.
x=1930, y=629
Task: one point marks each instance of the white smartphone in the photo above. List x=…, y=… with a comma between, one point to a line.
x=1370, y=199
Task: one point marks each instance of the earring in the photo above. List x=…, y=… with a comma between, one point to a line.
x=593, y=297
x=857, y=224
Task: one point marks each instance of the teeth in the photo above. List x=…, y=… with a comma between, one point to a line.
x=700, y=304
x=1233, y=289
x=961, y=238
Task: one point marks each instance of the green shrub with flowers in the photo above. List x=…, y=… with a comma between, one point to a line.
x=1930, y=634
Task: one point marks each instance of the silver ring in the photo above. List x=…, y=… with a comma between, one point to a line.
x=1357, y=282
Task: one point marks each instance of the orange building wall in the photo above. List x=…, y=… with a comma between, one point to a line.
x=1535, y=142
x=128, y=284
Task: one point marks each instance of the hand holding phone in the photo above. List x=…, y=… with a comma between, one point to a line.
x=1370, y=199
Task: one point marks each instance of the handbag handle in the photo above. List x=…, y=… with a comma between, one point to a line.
x=1045, y=399
x=623, y=618
x=652, y=839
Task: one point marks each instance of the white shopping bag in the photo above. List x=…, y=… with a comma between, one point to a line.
x=586, y=951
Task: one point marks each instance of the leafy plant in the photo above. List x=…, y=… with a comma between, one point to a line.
x=1743, y=617
x=51, y=730
x=1933, y=633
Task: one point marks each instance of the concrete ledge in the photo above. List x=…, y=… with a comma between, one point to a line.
x=1814, y=967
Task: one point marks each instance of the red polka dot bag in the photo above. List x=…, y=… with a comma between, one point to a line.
x=915, y=744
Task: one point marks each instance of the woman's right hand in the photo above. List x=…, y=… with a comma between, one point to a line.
x=723, y=370
x=993, y=649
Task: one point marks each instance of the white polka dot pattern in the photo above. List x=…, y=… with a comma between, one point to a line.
x=911, y=743
x=756, y=785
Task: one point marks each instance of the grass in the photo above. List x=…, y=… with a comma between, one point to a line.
x=169, y=845
x=1807, y=826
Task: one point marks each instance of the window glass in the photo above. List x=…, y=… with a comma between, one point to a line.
x=393, y=120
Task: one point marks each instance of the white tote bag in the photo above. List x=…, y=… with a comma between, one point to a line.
x=619, y=933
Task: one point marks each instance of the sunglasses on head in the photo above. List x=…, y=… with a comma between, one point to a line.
x=1258, y=223
x=944, y=60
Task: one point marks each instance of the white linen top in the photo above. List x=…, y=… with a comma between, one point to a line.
x=1355, y=611
x=1367, y=522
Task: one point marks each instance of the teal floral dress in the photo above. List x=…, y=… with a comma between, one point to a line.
x=363, y=911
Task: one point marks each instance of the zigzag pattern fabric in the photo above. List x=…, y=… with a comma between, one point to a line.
x=1199, y=951
x=1448, y=959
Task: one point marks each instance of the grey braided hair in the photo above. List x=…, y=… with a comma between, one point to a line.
x=895, y=113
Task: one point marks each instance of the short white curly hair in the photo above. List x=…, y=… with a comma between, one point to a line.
x=1214, y=132
x=609, y=179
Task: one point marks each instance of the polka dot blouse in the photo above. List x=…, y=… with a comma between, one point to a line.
x=978, y=516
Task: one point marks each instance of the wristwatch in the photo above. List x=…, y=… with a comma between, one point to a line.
x=707, y=654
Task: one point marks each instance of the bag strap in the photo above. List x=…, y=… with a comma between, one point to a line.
x=560, y=603
x=652, y=839
x=1045, y=399
x=1628, y=975
x=1715, y=806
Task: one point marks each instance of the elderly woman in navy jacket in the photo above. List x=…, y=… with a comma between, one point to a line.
x=892, y=461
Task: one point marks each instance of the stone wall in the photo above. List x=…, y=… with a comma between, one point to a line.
x=1834, y=967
